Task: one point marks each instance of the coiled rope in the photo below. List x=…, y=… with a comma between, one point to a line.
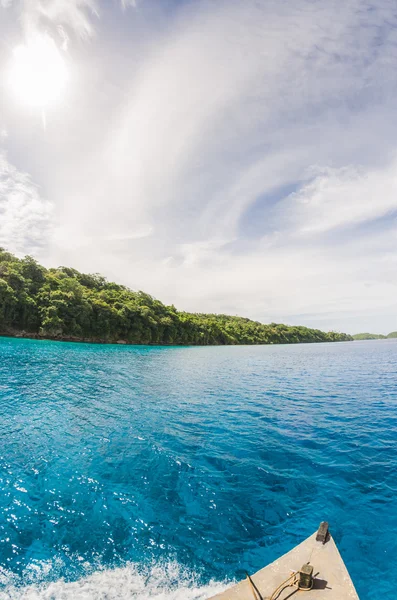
x=289, y=582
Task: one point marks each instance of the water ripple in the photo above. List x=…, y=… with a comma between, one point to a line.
x=117, y=461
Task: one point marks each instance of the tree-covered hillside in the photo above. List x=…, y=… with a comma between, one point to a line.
x=368, y=336
x=374, y=336
x=65, y=304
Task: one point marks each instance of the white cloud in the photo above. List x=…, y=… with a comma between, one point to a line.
x=62, y=15
x=200, y=131
x=316, y=263
x=126, y=3
x=141, y=231
x=337, y=198
x=24, y=215
x=65, y=16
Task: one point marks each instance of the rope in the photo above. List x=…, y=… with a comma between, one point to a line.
x=281, y=587
x=254, y=589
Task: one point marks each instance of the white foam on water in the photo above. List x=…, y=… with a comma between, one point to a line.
x=168, y=582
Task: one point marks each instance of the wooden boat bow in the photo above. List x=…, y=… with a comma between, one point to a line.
x=313, y=570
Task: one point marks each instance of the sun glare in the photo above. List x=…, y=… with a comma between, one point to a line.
x=38, y=73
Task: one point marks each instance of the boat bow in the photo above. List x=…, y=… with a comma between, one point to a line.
x=291, y=576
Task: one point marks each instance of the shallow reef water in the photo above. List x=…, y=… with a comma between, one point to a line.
x=166, y=472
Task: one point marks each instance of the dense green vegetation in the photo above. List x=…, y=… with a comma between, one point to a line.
x=374, y=336
x=368, y=336
x=65, y=304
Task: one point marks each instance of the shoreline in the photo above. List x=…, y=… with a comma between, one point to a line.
x=77, y=340
x=65, y=305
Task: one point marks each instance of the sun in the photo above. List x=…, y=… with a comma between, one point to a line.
x=38, y=73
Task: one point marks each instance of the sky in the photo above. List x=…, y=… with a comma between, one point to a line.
x=229, y=156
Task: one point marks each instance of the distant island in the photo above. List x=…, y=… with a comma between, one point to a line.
x=374, y=336
x=63, y=304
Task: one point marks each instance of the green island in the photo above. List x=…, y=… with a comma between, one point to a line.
x=63, y=304
x=374, y=336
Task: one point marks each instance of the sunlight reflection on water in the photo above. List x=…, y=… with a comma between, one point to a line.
x=213, y=460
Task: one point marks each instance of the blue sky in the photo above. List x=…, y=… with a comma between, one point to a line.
x=225, y=156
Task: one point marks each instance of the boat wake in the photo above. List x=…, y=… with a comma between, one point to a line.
x=169, y=582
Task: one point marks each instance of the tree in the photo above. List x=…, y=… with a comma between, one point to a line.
x=63, y=302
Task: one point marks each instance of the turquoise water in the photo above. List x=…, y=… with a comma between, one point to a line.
x=149, y=472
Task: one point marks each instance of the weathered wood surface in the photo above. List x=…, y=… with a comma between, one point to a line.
x=332, y=580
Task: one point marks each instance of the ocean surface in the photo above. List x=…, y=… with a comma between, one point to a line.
x=155, y=472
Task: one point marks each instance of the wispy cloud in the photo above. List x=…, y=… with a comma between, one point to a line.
x=25, y=217
x=62, y=16
x=206, y=127
x=125, y=3
x=65, y=17
x=336, y=198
